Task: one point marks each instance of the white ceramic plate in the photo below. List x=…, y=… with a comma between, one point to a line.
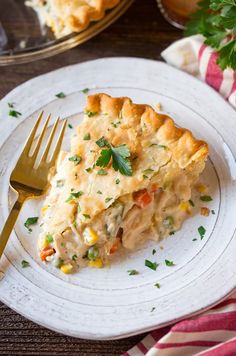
x=108, y=303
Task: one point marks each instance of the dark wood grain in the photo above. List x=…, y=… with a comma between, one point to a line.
x=141, y=32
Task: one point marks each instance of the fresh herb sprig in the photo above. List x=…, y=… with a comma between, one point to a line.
x=216, y=21
x=120, y=157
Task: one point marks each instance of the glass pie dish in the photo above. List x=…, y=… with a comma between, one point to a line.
x=24, y=39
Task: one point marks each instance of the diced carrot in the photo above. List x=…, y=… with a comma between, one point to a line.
x=205, y=211
x=142, y=198
x=154, y=188
x=45, y=252
x=115, y=246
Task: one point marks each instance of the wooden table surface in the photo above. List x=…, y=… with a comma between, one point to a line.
x=140, y=32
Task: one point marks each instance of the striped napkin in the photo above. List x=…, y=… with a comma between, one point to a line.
x=212, y=333
x=191, y=55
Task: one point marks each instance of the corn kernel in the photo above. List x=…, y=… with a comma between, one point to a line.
x=67, y=269
x=44, y=209
x=205, y=211
x=43, y=243
x=201, y=188
x=185, y=206
x=90, y=236
x=96, y=264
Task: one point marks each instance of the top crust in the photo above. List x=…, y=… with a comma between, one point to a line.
x=185, y=148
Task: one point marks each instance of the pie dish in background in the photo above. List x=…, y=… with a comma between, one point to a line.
x=24, y=38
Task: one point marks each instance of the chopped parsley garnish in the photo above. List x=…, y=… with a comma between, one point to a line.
x=60, y=183
x=119, y=155
x=194, y=239
x=172, y=233
x=132, y=272
x=153, y=308
x=24, y=264
x=108, y=199
x=61, y=95
x=74, y=257
x=206, y=198
x=153, y=252
x=102, y=172
x=87, y=137
x=191, y=202
x=74, y=195
x=168, y=221
x=99, y=192
x=115, y=124
x=11, y=105
x=87, y=216
x=14, y=113
x=213, y=212
x=201, y=231
x=145, y=177
x=149, y=170
x=157, y=285
x=30, y=221
x=70, y=126
x=89, y=169
x=117, y=181
x=152, y=265
x=76, y=159
x=169, y=263
x=162, y=146
x=90, y=113
x=85, y=90
x=49, y=238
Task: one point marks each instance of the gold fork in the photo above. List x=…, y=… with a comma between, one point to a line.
x=26, y=179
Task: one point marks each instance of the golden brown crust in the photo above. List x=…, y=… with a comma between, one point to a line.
x=184, y=147
x=77, y=14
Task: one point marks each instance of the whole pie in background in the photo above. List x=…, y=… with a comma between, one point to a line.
x=67, y=16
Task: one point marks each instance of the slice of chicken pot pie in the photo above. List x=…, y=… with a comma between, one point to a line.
x=126, y=179
x=67, y=16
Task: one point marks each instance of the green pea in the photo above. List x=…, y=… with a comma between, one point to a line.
x=93, y=253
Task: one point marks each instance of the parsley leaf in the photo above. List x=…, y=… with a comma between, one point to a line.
x=76, y=159
x=87, y=216
x=87, y=136
x=11, y=105
x=169, y=263
x=108, y=199
x=74, y=195
x=14, y=113
x=201, y=231
x=206, y=198
x=153, y=252
x=102, y=142
x=24, y=264
x=85, y=90
x=151, y=265
x=102, y=172
x=216, y=21
x=90, y=113
x=104, y=158
x=60, y=95
x=132, y=272
x=31, y=221
x=117, y=181
x=70, y=126
x=157, y=285
x=191, y=202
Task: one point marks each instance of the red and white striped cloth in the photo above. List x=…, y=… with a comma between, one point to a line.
x=191, y=55
x=212, y=333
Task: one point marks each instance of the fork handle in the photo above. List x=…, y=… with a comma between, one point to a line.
x=9, y=224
